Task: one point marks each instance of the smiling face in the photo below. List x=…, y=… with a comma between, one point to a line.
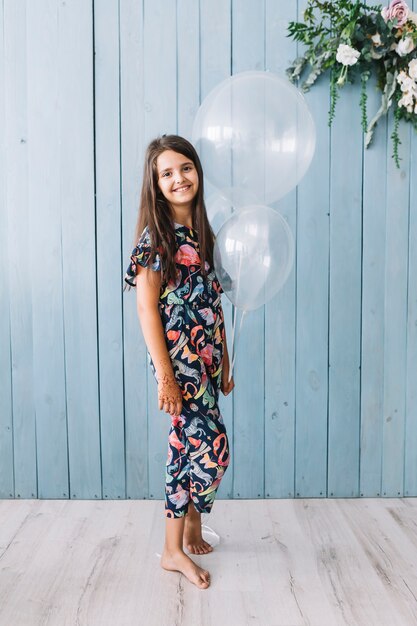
x=178, y=180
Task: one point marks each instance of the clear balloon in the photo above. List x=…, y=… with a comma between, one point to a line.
x=254, y=134
x=253, y=256
x=219, y=208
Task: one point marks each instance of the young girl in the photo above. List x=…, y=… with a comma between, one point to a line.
x=181, y=316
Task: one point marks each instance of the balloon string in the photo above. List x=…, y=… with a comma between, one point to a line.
x=234, y=318
x=234, y=343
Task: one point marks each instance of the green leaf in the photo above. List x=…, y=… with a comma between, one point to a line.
x=327, y=24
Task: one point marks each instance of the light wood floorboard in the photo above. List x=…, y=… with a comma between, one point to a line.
x=315, y=562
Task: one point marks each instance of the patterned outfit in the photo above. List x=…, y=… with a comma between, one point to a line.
x=193, y=322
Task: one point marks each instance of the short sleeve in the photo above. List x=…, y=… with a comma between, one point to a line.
x=141, y=256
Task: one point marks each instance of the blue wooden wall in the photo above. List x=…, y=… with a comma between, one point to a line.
x=325, y=402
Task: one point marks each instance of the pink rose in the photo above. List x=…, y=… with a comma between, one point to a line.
x=396, y=9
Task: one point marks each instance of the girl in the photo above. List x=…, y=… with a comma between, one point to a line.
x=180, y=312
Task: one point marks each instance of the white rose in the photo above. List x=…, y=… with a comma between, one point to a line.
x=408, y=84
x=408, y=98
x=402, y=76
x=412, y=68
x=347, y=55
x=407, y=102
x=404, y=46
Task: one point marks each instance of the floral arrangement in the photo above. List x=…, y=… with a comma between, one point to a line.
x=353, y=39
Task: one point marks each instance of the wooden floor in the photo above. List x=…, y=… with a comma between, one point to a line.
x=279, y=563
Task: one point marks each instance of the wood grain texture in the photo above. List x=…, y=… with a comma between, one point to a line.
x=132, y=144
x=372, y=338
x=410, y=435
x=249, y=407
x=46, y=278
x=312, y=315
x=327, y=562
x=410, y=438
x=325, y=403
x=78, y=237
x=109, y=245
x=6, y=398
x=280, y=312
x=188, y=65
x=345, y=261
x=395, y=309
x=23, y=430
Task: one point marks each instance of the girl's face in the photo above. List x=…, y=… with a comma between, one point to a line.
x=177, y=178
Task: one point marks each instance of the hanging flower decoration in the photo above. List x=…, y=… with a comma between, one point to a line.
x=353, y=39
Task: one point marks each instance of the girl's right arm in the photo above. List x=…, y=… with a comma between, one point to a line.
x=148, y=285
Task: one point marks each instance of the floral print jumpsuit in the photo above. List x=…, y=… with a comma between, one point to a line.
x=193, y=322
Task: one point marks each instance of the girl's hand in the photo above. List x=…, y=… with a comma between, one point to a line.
x=226, y=384
x=169, y=395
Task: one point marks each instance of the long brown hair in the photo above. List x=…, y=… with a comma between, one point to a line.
x=156, y=213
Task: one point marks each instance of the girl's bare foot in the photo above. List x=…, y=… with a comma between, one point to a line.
x=193, y=539
x=177, y=561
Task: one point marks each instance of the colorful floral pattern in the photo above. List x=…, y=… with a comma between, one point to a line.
x=193, y=322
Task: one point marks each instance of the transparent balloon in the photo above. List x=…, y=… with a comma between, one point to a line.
x=253, y=256
x=254, y=134
x=219, y=208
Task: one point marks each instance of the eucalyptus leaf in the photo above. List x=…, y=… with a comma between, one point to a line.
x=294, y=70
x=330, y=23
x=386, y=101
x=316, y=70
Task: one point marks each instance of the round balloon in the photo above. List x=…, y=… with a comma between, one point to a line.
x=253, y=256
x=219, y=207
x=254, y=133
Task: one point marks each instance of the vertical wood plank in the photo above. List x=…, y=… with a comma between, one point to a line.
x=345, y=249
x=372, y=340
x=24, y=431
x=410, y=431
x=132, y=145
x=280, y=312
x=249, y=435
x=160, y=68
x=76, y=156
x=313, y=213
x=6, y=410
x=410, y=434
x=188, y=65
x=45, y=274
x=395, y=329
x=109, y=262
x=160, y=93
x=215, y=66
x=215, y=44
